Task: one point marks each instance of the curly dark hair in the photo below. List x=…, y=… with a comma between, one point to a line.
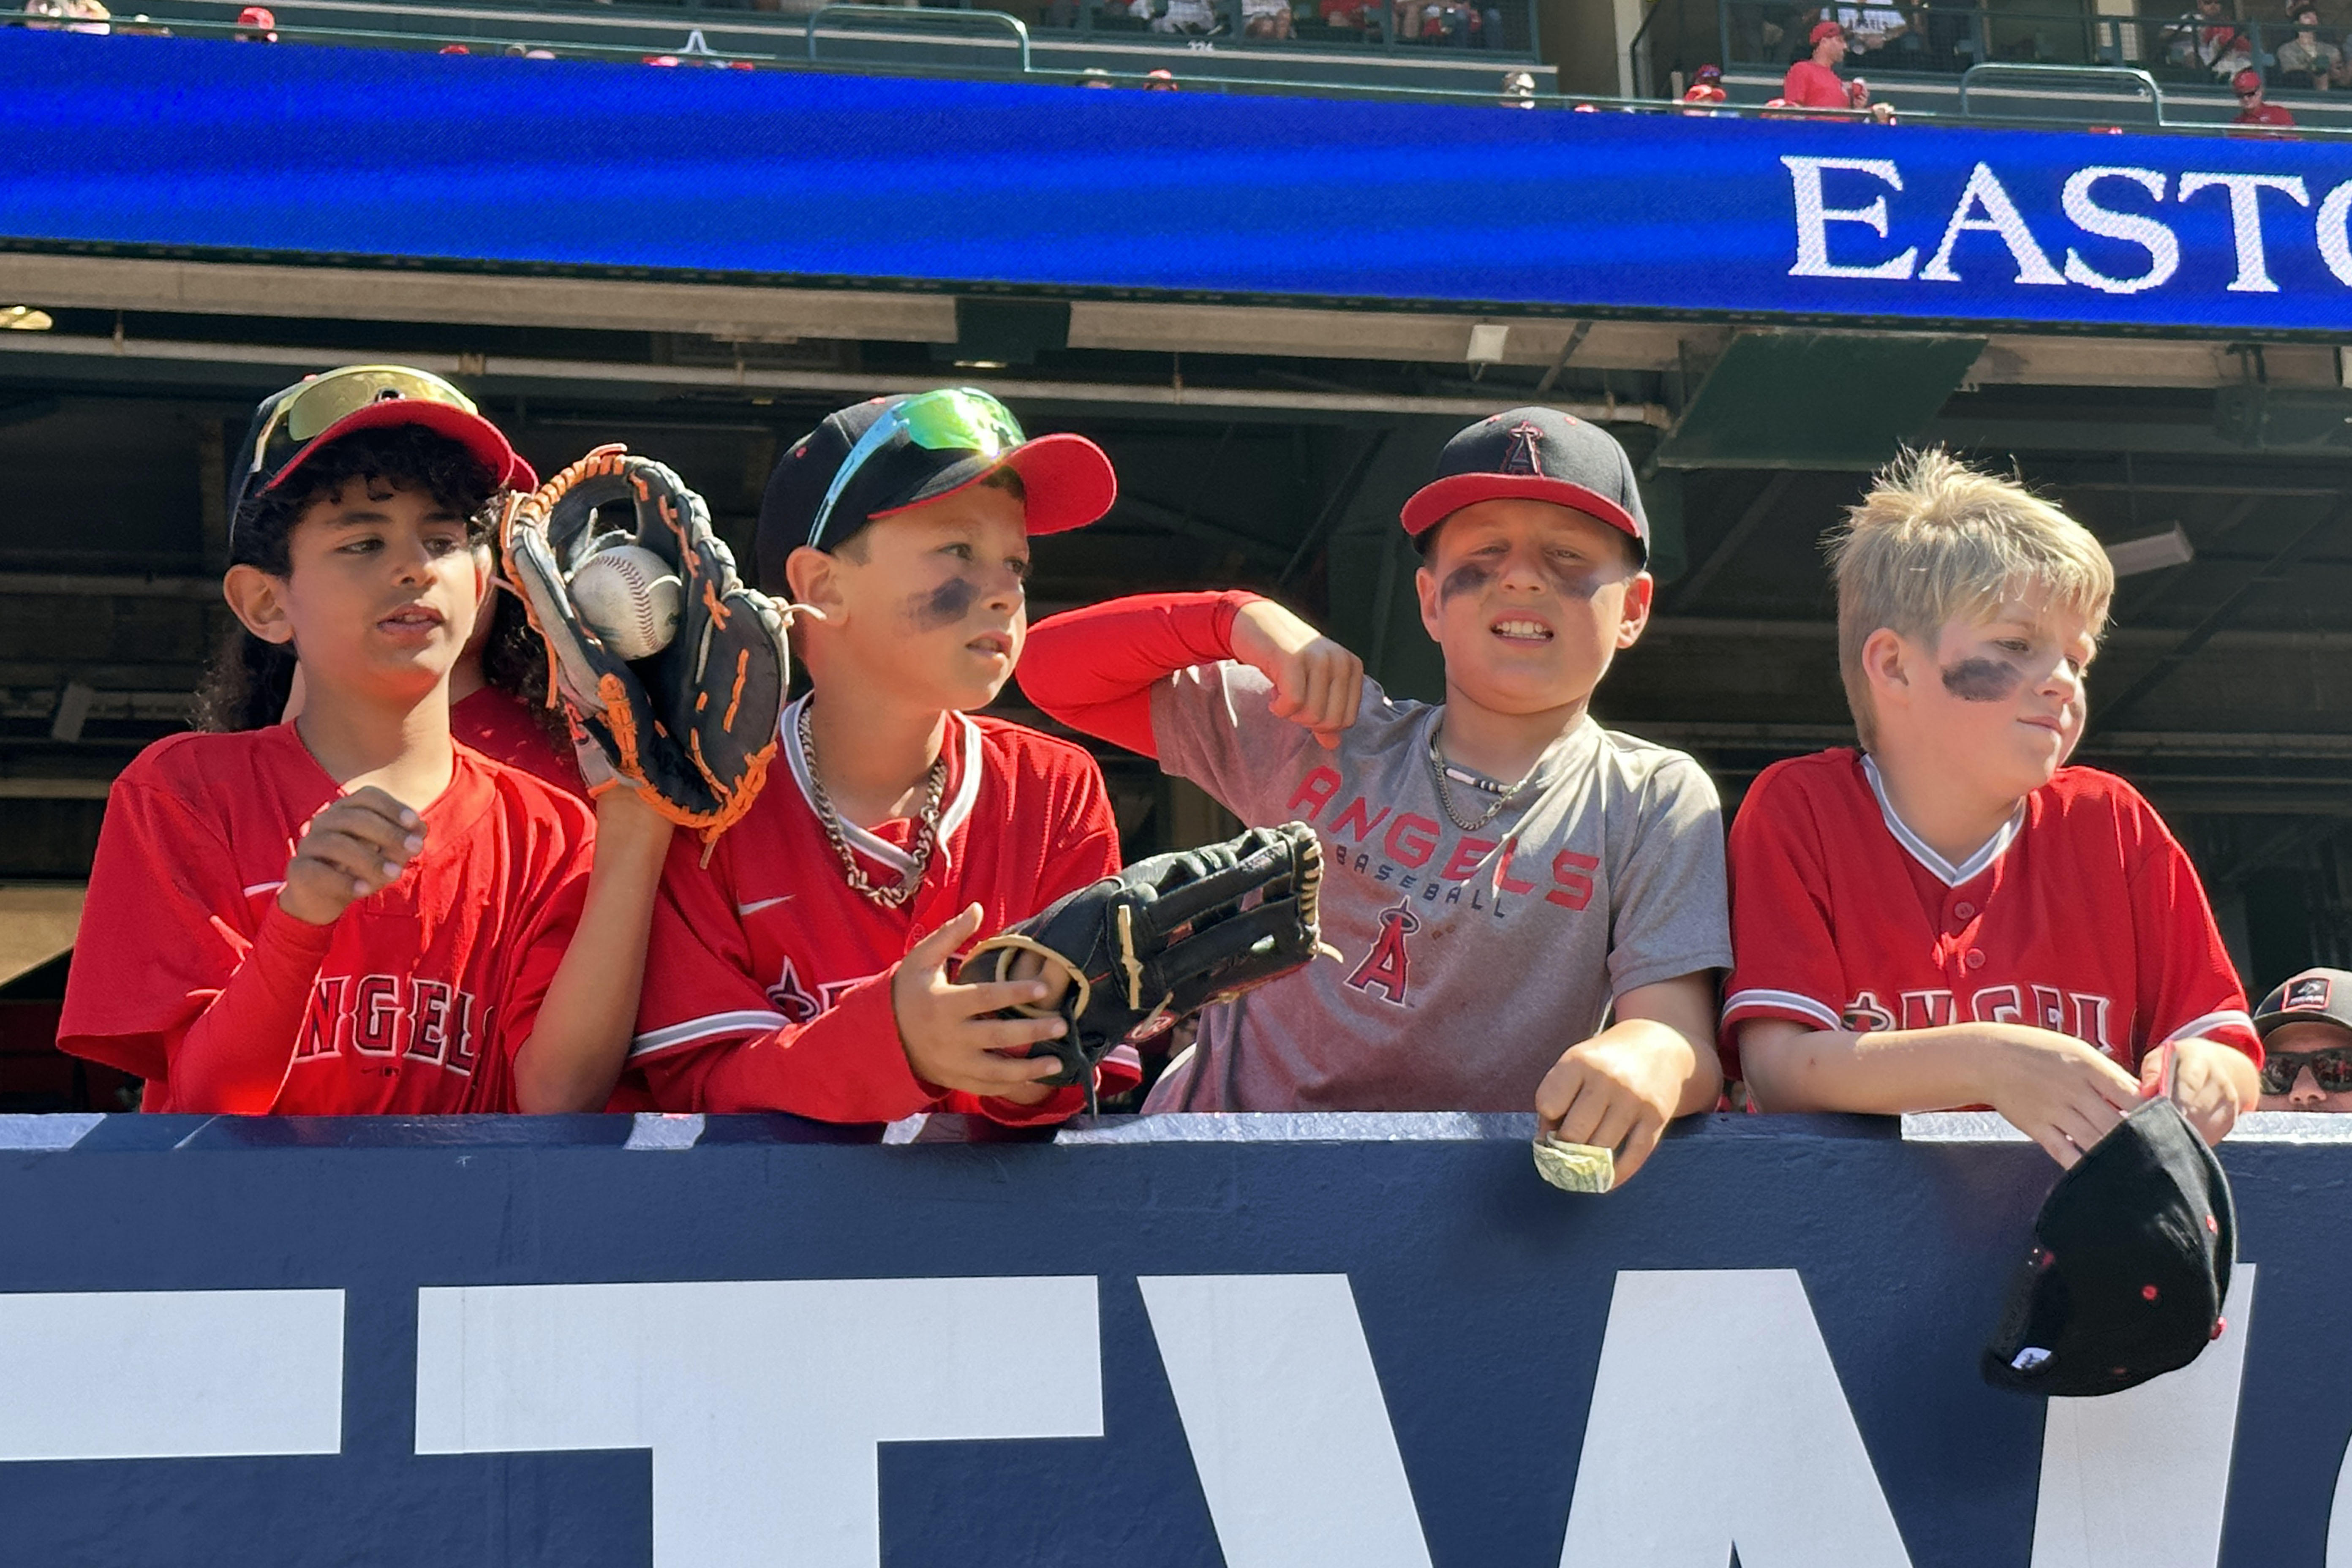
x=249, y=682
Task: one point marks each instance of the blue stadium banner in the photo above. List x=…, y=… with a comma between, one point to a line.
x=229, y=148
x=1383, y=1343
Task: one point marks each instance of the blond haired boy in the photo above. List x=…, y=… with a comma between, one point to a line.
x=1949, y=916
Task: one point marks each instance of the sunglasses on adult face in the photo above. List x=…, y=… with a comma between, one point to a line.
x=2331, y=1068
x=953, y=419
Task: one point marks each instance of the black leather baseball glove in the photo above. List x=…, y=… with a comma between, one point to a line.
x=1151, y=946
x=693, y=726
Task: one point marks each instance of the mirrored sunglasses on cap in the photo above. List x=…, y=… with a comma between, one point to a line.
x=951, y=419
x=291, y=422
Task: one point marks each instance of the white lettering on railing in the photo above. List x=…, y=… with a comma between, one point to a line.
x=2246, y=220
x=763, y=1402
x=1283, y=1412
x=1813, y=218
x=2084, y=210
x=2000, y=217
x=1718, y=1424
x=188, y=1373
x=2115, y=1493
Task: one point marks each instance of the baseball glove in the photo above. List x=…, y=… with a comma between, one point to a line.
x=692, y=726
x=1150, y=947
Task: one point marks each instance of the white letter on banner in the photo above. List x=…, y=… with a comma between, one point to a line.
x=763, y=1402
x=2000, y=217
x=1813, y=219
x=1284, y=1415
x=2082, y=207
x=200, y=1375
x=2246, y=220
x=2138, y=1479
x=2335, y=245
x=1750, y=1447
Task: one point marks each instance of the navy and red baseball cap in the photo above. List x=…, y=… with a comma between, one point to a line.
x=888, y=454
x=293, y=423
x=1533, y=454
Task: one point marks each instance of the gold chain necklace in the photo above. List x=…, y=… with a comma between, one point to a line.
x=927, y=824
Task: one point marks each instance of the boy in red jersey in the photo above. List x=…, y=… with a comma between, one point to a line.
x=497, y=695
x=806, y=966
x=351, y=912
x=1949, y=916
x=1501, y=873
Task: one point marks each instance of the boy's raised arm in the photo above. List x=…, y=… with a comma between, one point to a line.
x=1093, y=668
x=1100, y=664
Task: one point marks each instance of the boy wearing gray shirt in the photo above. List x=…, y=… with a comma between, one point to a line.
x=1501, y=872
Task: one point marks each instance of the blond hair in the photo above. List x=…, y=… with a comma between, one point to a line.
x=1935, y=541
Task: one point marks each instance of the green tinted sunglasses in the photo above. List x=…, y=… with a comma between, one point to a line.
x=953, y=419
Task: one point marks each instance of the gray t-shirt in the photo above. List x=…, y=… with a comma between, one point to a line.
x=1469, y=960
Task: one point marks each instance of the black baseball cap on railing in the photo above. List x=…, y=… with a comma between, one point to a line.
x=293, y=423
x=2129, y=1266
x=1533, y=454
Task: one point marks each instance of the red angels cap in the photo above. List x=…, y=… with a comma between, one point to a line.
x=1534, y=454
x=2246, y=81
x=1825, y=30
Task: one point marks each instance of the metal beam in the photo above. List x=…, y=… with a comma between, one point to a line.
x=574, y=373
x=1263, y=551
x=2133, y=604
x=1335, y=508
x=2292, y=840
x=69, y=584
x=2273, y=572
x=1567, y=352
x=1735, y=539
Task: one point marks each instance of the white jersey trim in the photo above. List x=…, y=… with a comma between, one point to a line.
x=953, y=815
x=1944, y=871
x=260, y=887
x=2198, y=1027
x=1790, y=1000
x=712, y=1027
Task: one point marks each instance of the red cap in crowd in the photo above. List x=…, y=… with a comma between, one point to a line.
x=1825, y=30
x=2247, y=81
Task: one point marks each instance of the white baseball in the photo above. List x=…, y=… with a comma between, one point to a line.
x=630, y=599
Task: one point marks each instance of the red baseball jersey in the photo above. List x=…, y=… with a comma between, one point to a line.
x=768, y=978
x=503, y=728
x=2081, y=915
x=424, y=990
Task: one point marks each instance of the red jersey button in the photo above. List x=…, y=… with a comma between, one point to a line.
x=1975, y=959
x=1964, y=910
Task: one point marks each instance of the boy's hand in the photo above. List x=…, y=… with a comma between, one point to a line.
x=949, y=1037
x=354, y=846
x=2205, y=1084
x=1317, y=683
x=2063, y=1094
x=1617, y=1094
